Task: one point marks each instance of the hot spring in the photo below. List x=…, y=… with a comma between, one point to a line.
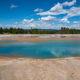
x=40, y=49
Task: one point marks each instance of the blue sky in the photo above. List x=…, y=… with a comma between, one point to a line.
x=41, y=14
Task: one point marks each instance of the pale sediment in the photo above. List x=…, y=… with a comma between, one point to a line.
x=47, y=69
x=7, y=36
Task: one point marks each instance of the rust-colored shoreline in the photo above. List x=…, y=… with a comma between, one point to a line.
x=4, y=57
x=34, y=40
x=10, y=58
x=38, y=39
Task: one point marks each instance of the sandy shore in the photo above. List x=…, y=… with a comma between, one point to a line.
x=47, y=69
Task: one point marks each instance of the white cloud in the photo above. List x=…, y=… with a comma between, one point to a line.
x=54, y=19
x=76, y=22
x=13, y=6
x=76, y=26
x=27, y=21
x=54, y=11
x=64, y=20
x=73, y=11
x=69, y=3
x=58, y=9
x=16, y=23
x=38, y=10
x=34, y=24
x=41, y=25
x=48, y=18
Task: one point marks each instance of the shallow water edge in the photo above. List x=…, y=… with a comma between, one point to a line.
x=35, y=40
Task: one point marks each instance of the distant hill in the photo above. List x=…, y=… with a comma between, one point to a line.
x=44, y=29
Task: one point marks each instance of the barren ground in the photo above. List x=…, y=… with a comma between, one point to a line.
x=38, y=69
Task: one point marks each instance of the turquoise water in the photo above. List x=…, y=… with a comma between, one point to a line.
x=8, y=41
x=41, y=50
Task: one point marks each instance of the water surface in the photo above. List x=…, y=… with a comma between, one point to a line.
x=41, y=49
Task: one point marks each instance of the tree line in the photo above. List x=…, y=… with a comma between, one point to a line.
x=63, y=30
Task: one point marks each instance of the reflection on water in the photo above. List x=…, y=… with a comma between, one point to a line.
x=41, y=49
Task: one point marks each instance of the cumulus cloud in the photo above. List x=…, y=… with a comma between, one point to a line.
x=48, y=18
x=34, y=24
x=13, y=6
x=64, y=20
x=38, y=10
x=27, y=21
x=41, y=25
x=54, y=19
x=76, y=22
x=69, y=3
x=58, y=9
x=73, y=11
